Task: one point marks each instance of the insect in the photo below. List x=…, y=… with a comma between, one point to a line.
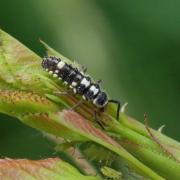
x=79, y=82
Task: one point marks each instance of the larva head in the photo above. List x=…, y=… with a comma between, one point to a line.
x=50, y=63
x=101, y=100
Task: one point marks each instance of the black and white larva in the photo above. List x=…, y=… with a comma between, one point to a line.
x=79, y=82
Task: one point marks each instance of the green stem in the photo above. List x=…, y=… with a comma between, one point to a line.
x=162, y=165
x=139, y=128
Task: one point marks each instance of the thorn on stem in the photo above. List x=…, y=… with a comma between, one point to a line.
x=123, y=108
x=161, y=128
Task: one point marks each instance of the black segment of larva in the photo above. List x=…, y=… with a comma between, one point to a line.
x=83, y=85
x=50, y=63
x=92, y=92
x=65, y=72
x=79, y=82
x=72, y=74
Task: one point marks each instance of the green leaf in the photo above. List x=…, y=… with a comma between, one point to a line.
x=20, y=103
x=21, y=68
x=47, y=169
x=78, y=125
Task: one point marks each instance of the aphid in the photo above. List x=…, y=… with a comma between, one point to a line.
x=79, y=82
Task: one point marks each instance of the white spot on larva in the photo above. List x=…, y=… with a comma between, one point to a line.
x=85, y=82
x=74, y=90
x=46, y=69
x=84, y=97
x=56, y=71
x=94, y=101
x=65, y=82
x=50, y=72
x=74, y=84
x=55, y=75
x=70, y=86
x=94, y=89
x=60, y=78
x=61, y=64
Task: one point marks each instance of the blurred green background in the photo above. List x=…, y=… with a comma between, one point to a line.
x=134, y=46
